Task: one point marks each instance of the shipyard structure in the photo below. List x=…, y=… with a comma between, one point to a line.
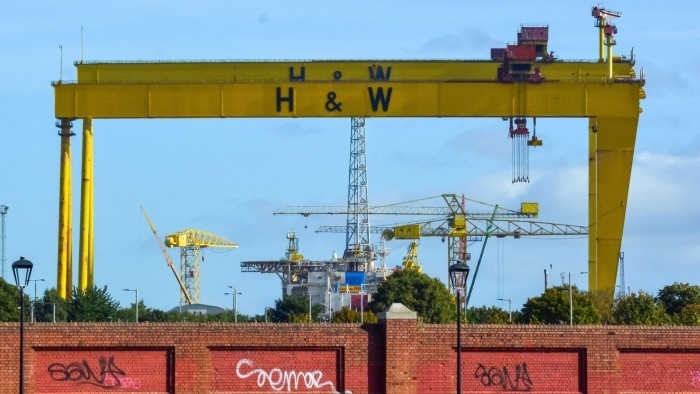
x=335, y=283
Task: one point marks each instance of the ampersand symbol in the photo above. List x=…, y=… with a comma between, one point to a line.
x=331, y=105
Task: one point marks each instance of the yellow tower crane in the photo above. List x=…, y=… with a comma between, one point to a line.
x=191, y=243
x=184, y=293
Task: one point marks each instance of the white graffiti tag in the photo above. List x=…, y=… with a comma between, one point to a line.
x=280, y=380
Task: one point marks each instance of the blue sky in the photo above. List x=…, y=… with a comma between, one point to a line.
x=227, y=176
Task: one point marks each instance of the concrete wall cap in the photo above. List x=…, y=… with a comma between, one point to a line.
x=397, y=311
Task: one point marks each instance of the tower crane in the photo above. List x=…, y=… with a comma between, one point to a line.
x=457, y=225
x=191, y=242
x=184, y=294
x=453, y=214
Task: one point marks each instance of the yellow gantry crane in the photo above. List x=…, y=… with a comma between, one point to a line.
x=518, y=81
x=191, y=242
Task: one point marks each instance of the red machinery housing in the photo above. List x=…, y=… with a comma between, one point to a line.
x=518, y=60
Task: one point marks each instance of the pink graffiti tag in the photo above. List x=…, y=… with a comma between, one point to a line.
x=278, y=379
x=695, y=375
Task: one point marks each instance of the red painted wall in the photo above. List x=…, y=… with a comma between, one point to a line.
x=65, y=370
x=674, y=370
x=397, y=356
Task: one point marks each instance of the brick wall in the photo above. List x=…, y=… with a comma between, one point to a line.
x=397, y=356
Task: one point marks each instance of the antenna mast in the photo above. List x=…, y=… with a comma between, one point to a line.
x=3, y=212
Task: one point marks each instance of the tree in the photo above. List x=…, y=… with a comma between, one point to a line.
x=639, y=309
x=9, y=301
x=427, y=296
x=92, y=305
x=688, y=316
x=553, y=307
x=294, y=309
x=348, y=315
x=49, y=303
x=676, y=296
x=487, y=315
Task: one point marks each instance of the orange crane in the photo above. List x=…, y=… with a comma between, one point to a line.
x=167, y=258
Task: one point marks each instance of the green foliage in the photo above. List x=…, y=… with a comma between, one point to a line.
x=676, y=296
x=639, y=309
x=9, y=301
x=688, y=316
x=92, y=305
x=45, y=307
x=348, y=315
x=553, y=307
x=487, y=315
x=294, y=309
x=427, y=296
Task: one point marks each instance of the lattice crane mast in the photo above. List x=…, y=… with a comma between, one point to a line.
x=184, y=295
x=191, y=242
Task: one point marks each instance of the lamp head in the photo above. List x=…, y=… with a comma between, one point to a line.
x=22, y=270
x=458, y=274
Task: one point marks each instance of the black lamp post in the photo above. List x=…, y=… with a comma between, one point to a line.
x=22, y=270
x=458, y=278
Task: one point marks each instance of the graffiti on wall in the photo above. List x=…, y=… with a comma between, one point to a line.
x=281, y=370
x=74, y=370
x=503, y=378
x=278, y=379
x=105, y=374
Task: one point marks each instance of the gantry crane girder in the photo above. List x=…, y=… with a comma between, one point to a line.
x=607, y=95
x=191, y=242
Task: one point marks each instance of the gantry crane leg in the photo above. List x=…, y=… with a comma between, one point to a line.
x=611, y=149
x=86, y=261
x=64, y=281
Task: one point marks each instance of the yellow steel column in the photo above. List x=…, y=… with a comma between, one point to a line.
x=614, y=153
x=85, y=268
x=64, y=281
x=592, y=205
x=601, y=42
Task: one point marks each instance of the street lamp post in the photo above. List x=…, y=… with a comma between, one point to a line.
x=458, y=278
x=510, y=319
x=136, y=305
x=266, y=309
x=22, y=270
x=34, y=303
x=571, y=301
x=362, y=303
x=235, y=304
